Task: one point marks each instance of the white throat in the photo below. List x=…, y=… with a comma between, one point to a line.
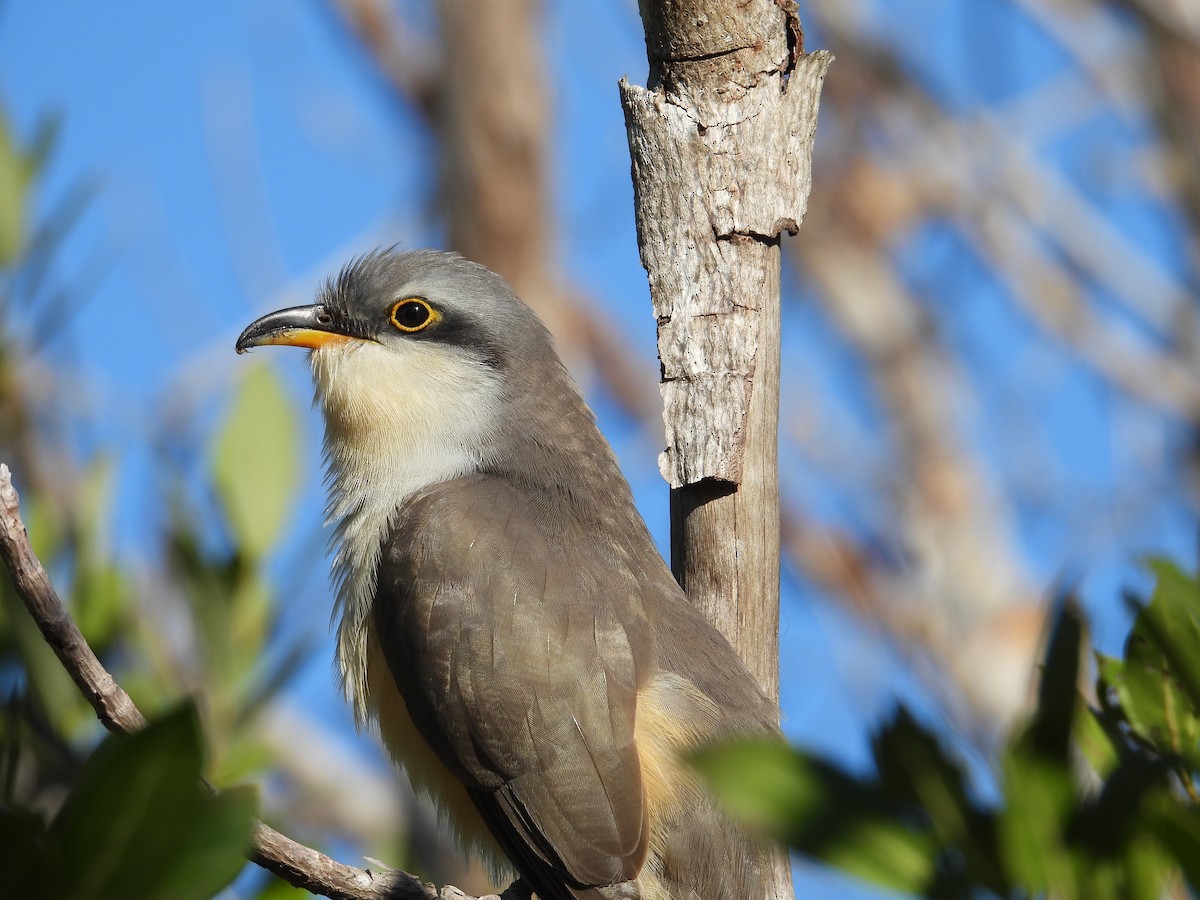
x=396, y=420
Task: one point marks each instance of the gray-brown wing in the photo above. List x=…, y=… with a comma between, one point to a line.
x=519, y=647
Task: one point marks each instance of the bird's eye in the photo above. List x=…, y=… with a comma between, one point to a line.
x=413, y=314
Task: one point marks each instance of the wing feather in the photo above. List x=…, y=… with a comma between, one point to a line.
x=522, y=673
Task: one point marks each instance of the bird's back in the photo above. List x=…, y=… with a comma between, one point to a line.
x=564, y=691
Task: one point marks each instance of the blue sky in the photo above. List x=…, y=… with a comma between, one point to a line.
x=241, y=151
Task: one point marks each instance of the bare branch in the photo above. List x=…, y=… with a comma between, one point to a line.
x=113, y=706
x=1176, y=16
x=295, y=863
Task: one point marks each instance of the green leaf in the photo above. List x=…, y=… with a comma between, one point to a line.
x=1177, y=828
x=47, y=681
x=15, y=172
x=31, y=863
x=1105, y=823
x=101, y=593
x=1154, y=682
x=1172, y=623
x=240, y=757
x=1049, y=732
x=101, y=602
x=820, y=811
x=1092, y=737
x=212, y=846
x=250, y=615
x=1039, y=788
x=915, y=772
x=47, y=533
x=1039, y=795
x=140, y=824
x=44, y=142
x=255, y=462
x=1146, y=870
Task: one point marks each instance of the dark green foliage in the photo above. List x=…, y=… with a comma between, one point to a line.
x=203, y=624
x=1127, y=827
x=139, y=823
x=813, y=805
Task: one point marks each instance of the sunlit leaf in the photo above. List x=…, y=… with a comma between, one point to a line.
x=101, y=592
x=1172, y=622
x=1154, y=682
x=45, y=526
x=1092, y=738
x=255, y=462
x=250, y=615
x=14, y=184
x=1177, y=828
x=240, y=757
x=1147, y=870
x=1039, y=801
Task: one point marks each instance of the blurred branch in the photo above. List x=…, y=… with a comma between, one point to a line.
x=494, y=128
x=1051, y=204
x=836, y=561
x=1002, y=220
x=906, y=158
x=300, y=866
x=965, y=167
x=407, y=67
x=1171, y=71
x=966, y=569
x=338, y=791
x=1090, y=37
x=1178, y=16
x=1056, y=303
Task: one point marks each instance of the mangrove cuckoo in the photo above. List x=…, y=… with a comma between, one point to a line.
x=505, y=616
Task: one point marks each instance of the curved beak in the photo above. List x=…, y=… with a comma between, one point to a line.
x=300, y=326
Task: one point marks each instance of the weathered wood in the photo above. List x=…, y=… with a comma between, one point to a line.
x=725, y=536
x=721, y=145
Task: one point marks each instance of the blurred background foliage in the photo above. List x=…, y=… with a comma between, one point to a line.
x=991, y=367
x=1097, y=791
x=130, y=817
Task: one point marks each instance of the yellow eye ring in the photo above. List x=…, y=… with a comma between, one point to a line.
x=413, y=314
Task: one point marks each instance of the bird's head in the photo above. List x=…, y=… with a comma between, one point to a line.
x=422, y=361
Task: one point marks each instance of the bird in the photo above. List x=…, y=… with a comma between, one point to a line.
x=503, y=614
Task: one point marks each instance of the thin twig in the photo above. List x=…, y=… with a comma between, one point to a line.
x=113, y=706
x=295, y=863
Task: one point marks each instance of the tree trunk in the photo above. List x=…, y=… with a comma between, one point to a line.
x=721, y=144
